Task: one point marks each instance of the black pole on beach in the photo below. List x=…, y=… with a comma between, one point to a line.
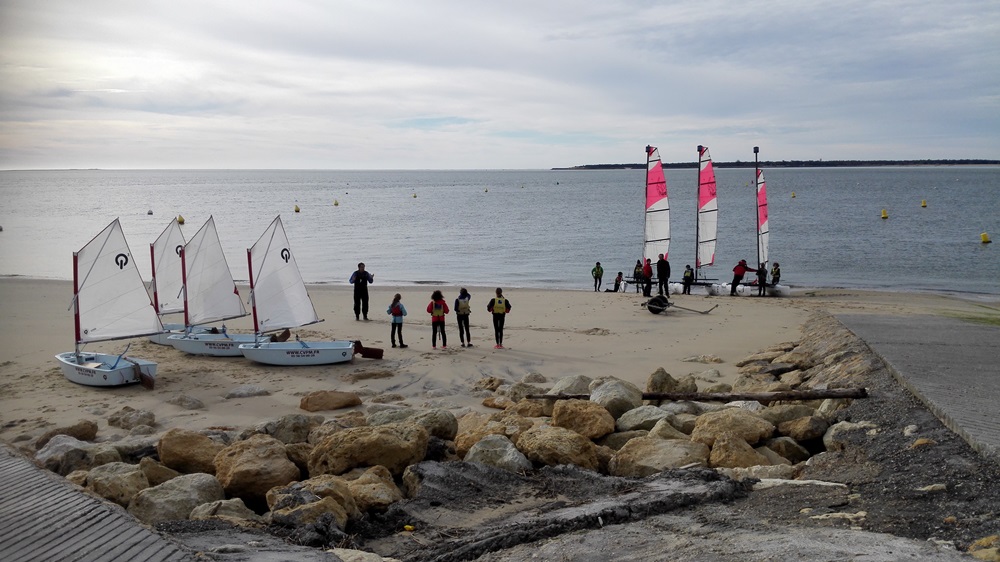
x=697, y=215
x=756, y=207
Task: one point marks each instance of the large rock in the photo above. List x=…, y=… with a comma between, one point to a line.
x=156, y=472
x=389, y=415
x=804, y=429
x=374, y=491
x=665, y=430
x=439, y=423
x=117, y=481
x=617, y=396
x=555, y=445
x=575, y=384
x=788, y=448
x=322, y=400
x=175, y=499
x=643, y=417
x=292, y=428
x=519, y=390
x=188, y=451
x=840, y=435
x=587, y=418
x=301, y=503
x=64, y=454
x=785, y=412
x=248, y=469
x=506, y=423
x=128, y=417
x=229, y=510
x=616, y=441
x=660, y=381
x=732, y=451
x=394, y=446
x=737, y=421
x=84, y=430
x=644, y=456
x=498, y=451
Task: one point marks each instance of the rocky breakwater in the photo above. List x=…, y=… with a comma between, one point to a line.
x=323, y=479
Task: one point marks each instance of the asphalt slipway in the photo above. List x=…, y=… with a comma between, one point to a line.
x=951, y=365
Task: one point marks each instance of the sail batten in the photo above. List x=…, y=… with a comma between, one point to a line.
x=279, y=295
x=657, y=217
x=763, y=226
x=211, y=294
x=110, y=298
x=708, y=211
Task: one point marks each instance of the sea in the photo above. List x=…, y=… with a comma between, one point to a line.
x=527, y=228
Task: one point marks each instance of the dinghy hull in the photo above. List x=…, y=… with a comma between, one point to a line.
x=295, y=353
x=213, y=345
x=95, y=369
x=171, y=330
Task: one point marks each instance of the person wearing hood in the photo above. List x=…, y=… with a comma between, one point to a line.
x=739, y=271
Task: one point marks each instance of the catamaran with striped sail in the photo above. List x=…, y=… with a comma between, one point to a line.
x=764, y=230
x=110, y=302
x=706, y=228
x=657, y=226
x=210, y=295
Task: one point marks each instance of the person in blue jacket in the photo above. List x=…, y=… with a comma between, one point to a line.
x=397, y=311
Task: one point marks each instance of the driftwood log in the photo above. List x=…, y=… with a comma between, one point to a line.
x=729, y=396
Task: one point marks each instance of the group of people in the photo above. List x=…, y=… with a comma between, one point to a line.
x=743, y=268
x=498, y=306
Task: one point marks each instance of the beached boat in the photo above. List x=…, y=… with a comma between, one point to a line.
x=110, y=302
x=279, y=301
x=707, y=221
x=210, y=295
x=657, y=218
x=167, y=280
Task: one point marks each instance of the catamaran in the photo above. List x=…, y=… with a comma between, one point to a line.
x=657, y=223
x=280, y=301
x=210, y=295
x=110, y=302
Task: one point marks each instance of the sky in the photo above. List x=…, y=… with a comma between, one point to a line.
x=378, y=84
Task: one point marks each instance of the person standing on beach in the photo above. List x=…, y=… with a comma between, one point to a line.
x=637, y=275
x=360, y=279
x=437, y=309
x=397, y=311
x=688, y=279
x=499, y=306
x=739, y=271
x=647, y=278
x=462, y=312
x=762, y=280
x=598, y=274
x=663, y=274
x=775, y=274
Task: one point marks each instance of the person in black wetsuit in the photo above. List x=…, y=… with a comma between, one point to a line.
x=360, y=279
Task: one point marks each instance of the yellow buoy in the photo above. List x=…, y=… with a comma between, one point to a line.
x=296, y=208
x=336, y=203
x=408, y=528
x=985, y=238
x=414, y=195
x=793, y=195
x=180, y=219
x=923, y=202
x=885, y=214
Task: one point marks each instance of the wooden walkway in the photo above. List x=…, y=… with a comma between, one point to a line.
x=44, y=517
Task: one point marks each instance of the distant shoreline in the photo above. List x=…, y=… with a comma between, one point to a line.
x=793, y=164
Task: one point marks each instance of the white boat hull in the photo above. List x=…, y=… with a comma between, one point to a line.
x=293, y=353
x=171, y=330
x=214, y=345
x=717, y=289
x=95, y=369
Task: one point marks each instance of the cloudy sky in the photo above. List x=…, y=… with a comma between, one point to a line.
x=380, y=84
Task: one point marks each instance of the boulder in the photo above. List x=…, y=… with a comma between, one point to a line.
x=643, y=417
x=519, y=390
x=374, y=491
x=83, y=430
x=393, y=414
x=616, y=441
x=617, y=396
x=533, y=408
x=587, y=418
x=292, y=428
x=304, y=502
x=839, y=435
x=247, y=391
x=644, y=456
x=439, y=423
x=788, y=448
x=187, y=402
x=156, y=472
x=248, y=469
x=299, y=453
x=665, y=430
x=321, y=400
x=508, y=424
x=128, y=417
x=498, y=402
x=64, y=454
x=175, y=499
x=804, y=429
x=660, y=381
x=489, y=383
x=188, y=451
x=117, y=481
x=498, y=451
x=230, y=510
x=575, y=384
x=325, y=430
x=732, y=451
x=555, y=445
x=739, y=422
x=394, y=446
x=785, y=412
x=766, y=356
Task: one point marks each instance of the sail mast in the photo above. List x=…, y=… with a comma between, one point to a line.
x=756, y=179
x=253, y=299
x=697, y=219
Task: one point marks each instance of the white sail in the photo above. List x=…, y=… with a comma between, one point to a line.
x=279, y=295
x=210, y=292
x=657, y=224
x=110, y=297
x=708, y=210
x=763, y=224
x=165, y=256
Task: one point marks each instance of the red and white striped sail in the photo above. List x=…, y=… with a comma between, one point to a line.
x=165, y=257
x=657, y=229
x=763, y=228
x=708, y=210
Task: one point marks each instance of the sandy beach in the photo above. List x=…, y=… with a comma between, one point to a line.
x=551, y=333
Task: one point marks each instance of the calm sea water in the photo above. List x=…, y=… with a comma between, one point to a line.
x=526, y=228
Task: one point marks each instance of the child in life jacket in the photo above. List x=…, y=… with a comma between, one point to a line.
x=397, y=311
x=437, y=309
x=462, y=312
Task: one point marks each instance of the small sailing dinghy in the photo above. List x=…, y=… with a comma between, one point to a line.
x=110, y=302
x=657, y=217
x=210, y=295
x=279, y=301
x=167, y=281
x=707, y=222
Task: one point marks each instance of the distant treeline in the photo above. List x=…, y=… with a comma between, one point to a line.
x=794, y=164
